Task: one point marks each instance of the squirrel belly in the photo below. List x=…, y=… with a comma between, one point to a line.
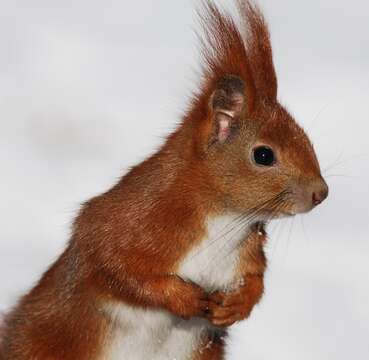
x=157, y=334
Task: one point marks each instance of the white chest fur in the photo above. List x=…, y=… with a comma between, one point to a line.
x=213, y=263
x=157, y=335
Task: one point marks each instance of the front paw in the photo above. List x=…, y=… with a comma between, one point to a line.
x=227, y=308
x=188, y=300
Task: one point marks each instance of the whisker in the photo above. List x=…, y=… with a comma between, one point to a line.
x=289, y=239
x=313, y=122
x=277, y=208
x=338, y=162
x=277, y=237
x=335, y=163
x=341, y=175
x=238, y=221
x=272, y=215
x=233, y=223
x=304, y=229
x=242, y=226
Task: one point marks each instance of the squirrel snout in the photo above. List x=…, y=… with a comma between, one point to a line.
x=320, y=192
x=309, y=193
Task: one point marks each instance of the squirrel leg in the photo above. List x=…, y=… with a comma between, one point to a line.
x=227, y=308
x=169, y=292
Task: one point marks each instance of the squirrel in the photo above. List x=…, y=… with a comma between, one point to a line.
x=162, y=264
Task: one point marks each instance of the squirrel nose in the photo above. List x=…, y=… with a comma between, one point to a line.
x=320, y=192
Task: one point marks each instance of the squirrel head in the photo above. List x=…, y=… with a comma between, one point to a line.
x=253, y=154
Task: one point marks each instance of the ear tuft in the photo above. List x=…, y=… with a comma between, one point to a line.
x=229, y=94
x=227, y=104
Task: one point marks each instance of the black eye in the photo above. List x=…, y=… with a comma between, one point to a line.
x=264, y=155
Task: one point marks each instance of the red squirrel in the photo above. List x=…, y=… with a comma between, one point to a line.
x=159, y=266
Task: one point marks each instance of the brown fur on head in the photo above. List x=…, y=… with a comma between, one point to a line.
x=236, y=112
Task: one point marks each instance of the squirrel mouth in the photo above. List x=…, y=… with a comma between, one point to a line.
x=259, y=227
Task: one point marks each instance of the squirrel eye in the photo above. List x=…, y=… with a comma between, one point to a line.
x=264, y=156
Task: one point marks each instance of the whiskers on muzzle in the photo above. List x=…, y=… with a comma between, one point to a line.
x=231, y=236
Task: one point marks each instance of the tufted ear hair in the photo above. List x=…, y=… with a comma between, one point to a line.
x=227, y=103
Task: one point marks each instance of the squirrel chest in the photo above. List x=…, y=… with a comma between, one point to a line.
x=213, y=265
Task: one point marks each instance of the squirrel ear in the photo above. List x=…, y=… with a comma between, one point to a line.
x=227, y=103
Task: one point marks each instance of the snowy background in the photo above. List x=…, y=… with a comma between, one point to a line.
x=88, y=88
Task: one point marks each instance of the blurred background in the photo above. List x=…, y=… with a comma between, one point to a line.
x=89, y=88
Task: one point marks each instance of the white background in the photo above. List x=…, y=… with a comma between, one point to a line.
x=89, y=88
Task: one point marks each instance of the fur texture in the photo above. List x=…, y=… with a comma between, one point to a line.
x=213, y=266
x=151, y=270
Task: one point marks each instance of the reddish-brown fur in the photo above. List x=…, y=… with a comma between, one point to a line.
x=212, y=348
x=127, y=243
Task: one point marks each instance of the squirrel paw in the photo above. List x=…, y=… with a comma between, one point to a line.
x=227, y=308
x=190, y=300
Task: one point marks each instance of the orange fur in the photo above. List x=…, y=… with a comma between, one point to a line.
x=129, y=242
